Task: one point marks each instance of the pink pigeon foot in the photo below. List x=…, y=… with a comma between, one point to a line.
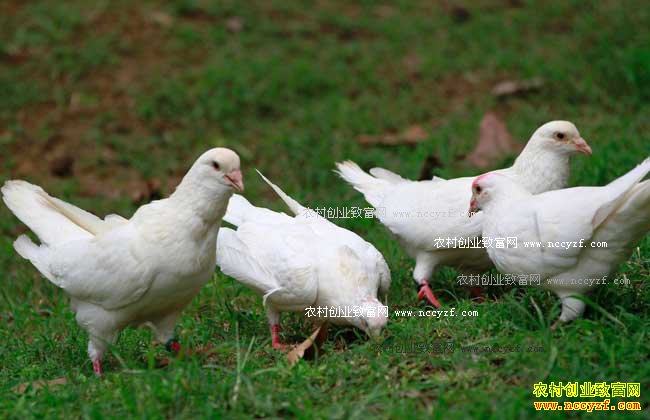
x=275, y=339
x=173, y=346
x=478, y=295
x=97, y=367
x=426, y=292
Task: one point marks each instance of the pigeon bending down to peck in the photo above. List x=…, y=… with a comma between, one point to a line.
x=301, y=261
x=429, y=217
x=118, y=272
x=571, y=227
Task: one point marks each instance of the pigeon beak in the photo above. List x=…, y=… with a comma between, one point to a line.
x=374, y=335
x=473, y=207
x=582, y=146
x=236, y=180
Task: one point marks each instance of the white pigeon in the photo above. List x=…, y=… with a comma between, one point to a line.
x=428, y=216
x=118, y=272
x=570, y=227
x=303, y=261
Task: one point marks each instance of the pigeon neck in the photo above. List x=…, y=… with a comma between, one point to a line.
x=196, y=200
x=505, y=196
x=539, y=169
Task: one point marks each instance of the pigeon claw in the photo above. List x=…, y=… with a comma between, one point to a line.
x=426, y=292
x=276, y=343
x=97, y=367
x=281, y=346
x=478, y=295
x=173, y=346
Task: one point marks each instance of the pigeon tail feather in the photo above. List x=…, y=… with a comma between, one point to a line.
x=631, y=220
x=386, y=175
x=293, y=205
x=632, y=177
x=54, y=221
x=33, y=253
x=372, y=188
x=622, y=187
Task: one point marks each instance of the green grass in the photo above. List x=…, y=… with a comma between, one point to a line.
x=131, y=96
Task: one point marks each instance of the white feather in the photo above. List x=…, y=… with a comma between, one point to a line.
x=121, y=272
x=301, y=261
x=617, y=214
x=424, y=214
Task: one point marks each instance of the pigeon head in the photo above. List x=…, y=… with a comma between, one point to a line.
x=373, y=317
x=218, y=167
x=354, y=290
x=490, y=187
x=562, y=137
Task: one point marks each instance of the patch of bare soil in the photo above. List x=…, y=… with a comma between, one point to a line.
x=55, y=139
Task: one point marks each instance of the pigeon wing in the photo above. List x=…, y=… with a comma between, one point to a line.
x=108, y=271
x=272, y=260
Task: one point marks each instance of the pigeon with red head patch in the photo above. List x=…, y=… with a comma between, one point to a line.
x=118, y=272
x=566, y=238
x=429, y=217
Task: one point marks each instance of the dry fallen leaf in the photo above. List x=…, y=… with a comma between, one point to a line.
x=205, y=352
x=412, y=135
x=516, y=87
x=161, y=18
x=14, y=54
x=234, y=24
x=317, y=338
x=494, y=143
x=413, y=64
x=459, y=13
x=384, y=11
x=62, y=165
x=21, y=388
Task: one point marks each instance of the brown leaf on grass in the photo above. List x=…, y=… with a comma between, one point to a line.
x=517, y=87
x=14, y=55
x=413, y=64
x=494, y=143
x=459, y=13
x=161, y=18
x=146, y=190
x=305, y=349
x=234, y=24
x=139, y=190
x=384, y=11
x=411, y=136
x=62, y=166
x=21, y=388
x=205, y=352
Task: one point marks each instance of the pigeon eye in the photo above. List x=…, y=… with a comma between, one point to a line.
x=478, y=189
x=560, y=136
x=215, y=165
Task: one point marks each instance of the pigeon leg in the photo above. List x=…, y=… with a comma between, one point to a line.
x=572, y=308
x=425, y=263
x=97, y=367
x=96, y=349
x=274, y=322
x=426, y=292
x=164, y=330
x=275, y=338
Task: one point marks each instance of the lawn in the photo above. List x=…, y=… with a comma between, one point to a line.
x=106, y=104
